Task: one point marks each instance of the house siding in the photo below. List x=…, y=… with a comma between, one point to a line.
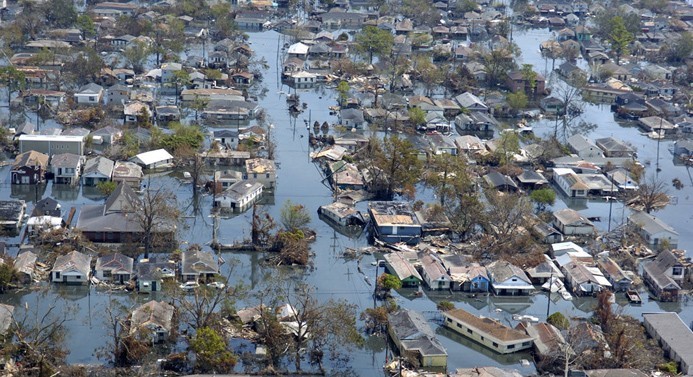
x=485, y=339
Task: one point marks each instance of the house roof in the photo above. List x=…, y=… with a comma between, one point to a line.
x=651, y=224
x=485, y=372
x=547, y=337
x=501, y=271
x=25, y=262
x=11, y=210
x=468, y=100
x=198, y=262
x=582, y=273
x=571, y=217
x=609, y=144
x=579, y=143
x=401, y=267
x=298, y=49
x=31, y=158
x=65, y=160
x=491, y=327
x=99, y=165
x=433, y=268
x=545, y=269
x=156, y=314
x=389, y=213
x=73, y=261
x=414, y=333
x=90, y=88
x=612, y=269
x=126, y=169
x=46, y=206
x=496, y=180
x=240, y=189
x=154, y=269
x=260, y=166
x=122, y=199
x=117, y=263
x=152, y=157
x=657, y=268
x=677, y=335
x=531, y=177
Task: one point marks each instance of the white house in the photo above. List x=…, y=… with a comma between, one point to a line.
x=584, y=147
x=571, y=222
x=66, y=168
x=261, y=170
x=239, y=196
x=168, y=71
x=72, y=268
x=298, y=50
x=508, y=279
x=97, y=169
x=90, y=94
x=570, y=183
x=303, y=79
x=654, y=230
x=489, y=332
x=153, y=159
x=434, y=274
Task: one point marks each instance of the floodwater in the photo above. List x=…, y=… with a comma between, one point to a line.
x=332, y=276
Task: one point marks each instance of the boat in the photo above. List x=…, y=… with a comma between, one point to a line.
x=633, y=297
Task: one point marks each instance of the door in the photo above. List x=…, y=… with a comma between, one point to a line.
x=154, y=286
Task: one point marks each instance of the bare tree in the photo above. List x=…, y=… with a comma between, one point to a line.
x=650, y=196
x=39, y=335
x=157, y=216
x=569, y=120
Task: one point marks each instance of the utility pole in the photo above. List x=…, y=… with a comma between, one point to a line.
x=548, y=301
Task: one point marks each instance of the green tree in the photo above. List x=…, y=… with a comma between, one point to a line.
x=619, y=38
x=106, y=187
x=294, y=216
x=517, y=100
x=343, y=92
x=183, y=136
x=387, y=282
x=394, y=164
x=181, y=78
x=507, y=146
x=542, y=198
x=417, y=116
x=86, y=25
x=444, y=306
x=211, y=353
x=7, y=273
x=13, y=79
x=85, y=66
x=680, y=50
x=136, y=54
x=558, y=320
x=446, y=175
x=60, y=13
x=497, y=62
x=530, y=78
x=374, y=41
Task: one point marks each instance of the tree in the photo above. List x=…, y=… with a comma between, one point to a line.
x=394, y=164
x=343, y=92
x=60, y=13
x=86, y=25
x=39, y=336
x=569, y=121
x=508, y=146
x=619, y=38
x=497, y=62
x=7, y=274
x=680, y=50
x=530, y=78
x=445, y=306
x=388, y=282
x=85, y=66
x=157, y=216
x=374, y=41
x=558, y=320
x=604, y=312
x=106, y=187
x=211, y=353
x=604, y=24
x=543, y=197
x=446, y=175
x=503, y=220
x=262, y=225
x=517, y=100
x=417, y=116
x=136, y=54
x=294, y=216
x=13, y=79
x=189, y=137
x=181, y=78
x=650, y=196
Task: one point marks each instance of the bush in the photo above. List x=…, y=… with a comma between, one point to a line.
x=669, y=367
x=387, y=281
x=444, y=306
x=558, y=320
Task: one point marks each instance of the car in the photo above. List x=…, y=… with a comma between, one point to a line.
x=217, y=285
x=189, y=286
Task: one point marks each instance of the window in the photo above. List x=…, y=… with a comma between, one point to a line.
x=254, y=175
x=525, y=344
x=511, y=346
x=469, y=331
x=78, y=277
x=267, y=175
x=482, y=338
x=495, y=344
x=458, y=325
x=107, y=273
x=449, y=320
x=57, y=274
x=677, y=270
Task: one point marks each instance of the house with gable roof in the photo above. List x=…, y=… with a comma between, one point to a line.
x=508, y=279
x=72, y=268
x=654, y=230
x=488, y=332
x=198, y=265
x=415, y=339
x=114, y=267
x=663, y=275
x=153, y=320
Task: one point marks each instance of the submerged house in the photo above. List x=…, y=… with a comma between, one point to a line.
x=663, y=276
x=466, y=276
x=488, y=332
x=508, y=279
x=239, y=196
x=656, y=232
x=152, y=321
x=342, y=214
x=198, y=265
x=29, y=168
x=114, y=267
x=398, y=265
x=394, y=222
x=415, y=340
x=72, y=268
x=434, y=274
x=11, y=215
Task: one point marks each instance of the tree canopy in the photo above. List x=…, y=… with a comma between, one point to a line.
x=374, y=41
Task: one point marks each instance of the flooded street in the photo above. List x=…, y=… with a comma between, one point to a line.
x=299, y=180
